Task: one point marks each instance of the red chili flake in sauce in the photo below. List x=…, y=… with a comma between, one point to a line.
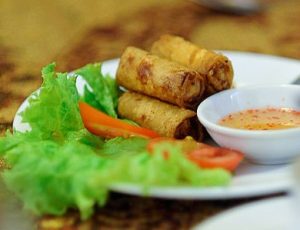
x=263, y=119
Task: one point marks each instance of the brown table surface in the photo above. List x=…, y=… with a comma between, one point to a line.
x=73, y=33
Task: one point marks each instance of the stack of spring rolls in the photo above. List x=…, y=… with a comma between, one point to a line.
x=166, y=85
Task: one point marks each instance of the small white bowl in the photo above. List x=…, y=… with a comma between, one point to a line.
x=259, y=146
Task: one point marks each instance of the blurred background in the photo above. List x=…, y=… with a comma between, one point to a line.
x=73, y=33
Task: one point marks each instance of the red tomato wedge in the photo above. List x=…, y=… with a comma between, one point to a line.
x=205, y=156
x=152, y=143
x=186, y=145
x=215, y=157
x=103, y=125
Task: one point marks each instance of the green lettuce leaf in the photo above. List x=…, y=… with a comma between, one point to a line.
x=54, y=109
x=104, y=90
x=154, y=169
x=50, y=177
x=120, y=146
x=60, y=165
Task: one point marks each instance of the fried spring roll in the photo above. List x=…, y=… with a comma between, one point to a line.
x=166, y=119
x=216, y=67
x=157, y=77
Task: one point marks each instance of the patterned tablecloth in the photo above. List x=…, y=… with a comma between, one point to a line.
x=73, y=33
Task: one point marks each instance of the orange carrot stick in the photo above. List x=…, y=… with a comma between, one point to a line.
x=103, y=125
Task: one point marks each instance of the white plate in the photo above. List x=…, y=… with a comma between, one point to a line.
x=250, y=180
x=270, y=214
x=253, y=68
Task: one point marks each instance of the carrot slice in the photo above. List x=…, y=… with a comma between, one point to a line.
x=103, y=125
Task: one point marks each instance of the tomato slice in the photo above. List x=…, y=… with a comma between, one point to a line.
x=155, y=141
x=160, y=140
x=205, y=156
x=186, y=145
x=215, y=157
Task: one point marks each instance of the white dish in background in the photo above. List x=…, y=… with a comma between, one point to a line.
x=260, y=146
x=249, y=180
x=269, y=214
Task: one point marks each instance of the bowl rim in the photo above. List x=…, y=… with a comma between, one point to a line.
x=210, y=125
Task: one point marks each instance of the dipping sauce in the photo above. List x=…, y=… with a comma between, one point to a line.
x=263, y=119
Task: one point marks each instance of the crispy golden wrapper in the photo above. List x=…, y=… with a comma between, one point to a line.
x=217, y=68
x=157, y=77
x=166, y=119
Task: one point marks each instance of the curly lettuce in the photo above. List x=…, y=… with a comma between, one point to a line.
x=59, y=165
x=102, y=91
x=50, y=178
x=53, y=110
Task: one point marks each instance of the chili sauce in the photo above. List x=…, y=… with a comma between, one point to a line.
x=263, y=119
